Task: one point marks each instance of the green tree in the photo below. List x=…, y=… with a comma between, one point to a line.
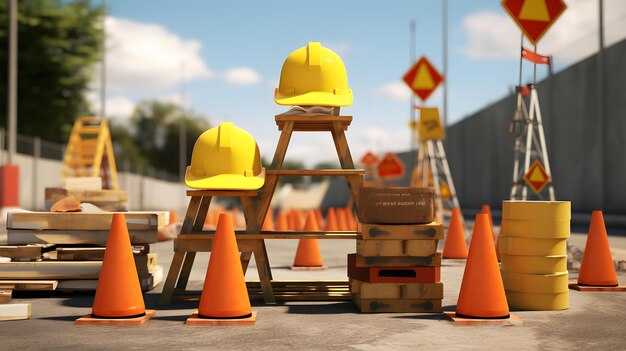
x=152, y=137
x=58, y=44
x=323, y=165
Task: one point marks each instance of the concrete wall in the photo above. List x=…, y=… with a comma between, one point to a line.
x=144, y=193
x=586, y=150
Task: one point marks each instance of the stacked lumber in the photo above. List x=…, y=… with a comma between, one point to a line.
x=64, y=251
x=106, y=199
x=397, y=268
x=11, y=311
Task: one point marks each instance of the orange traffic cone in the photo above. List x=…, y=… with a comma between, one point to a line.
x=319, y=217
x=487, y=210
x=342, y=219
x=291, y=219
x=597, y=267
x=331, y=221
x=350, y=219
x=224, y=299
x=172, y=216
x=482, y=291
x=308, y=255
x=498, y=244
x=268, y=223
x=118, y=297
x=298, y=220
x=455, y=245
x=282, y=224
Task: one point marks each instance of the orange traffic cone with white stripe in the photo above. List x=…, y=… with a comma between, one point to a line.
x=597, y=271
x=118, y=299
x=455, y=245
x=224, y=299
x=482, y=291
x=308, y=256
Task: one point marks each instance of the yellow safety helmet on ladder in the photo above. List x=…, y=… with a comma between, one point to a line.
x=313, y=76
x=225, y=158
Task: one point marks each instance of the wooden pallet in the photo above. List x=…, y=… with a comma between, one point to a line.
x=397, y=290
x=424, y=275
x=399, y=261
x=75, y=237
x=26, y=252
x=398, y=305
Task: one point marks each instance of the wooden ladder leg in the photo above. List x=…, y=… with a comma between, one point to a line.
x=172, y=277
x=345, y=159
x=245, y=260
x=265, y=274
x=185, y=272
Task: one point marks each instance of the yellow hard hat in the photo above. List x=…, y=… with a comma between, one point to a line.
x=313, y=76
x=225, y=158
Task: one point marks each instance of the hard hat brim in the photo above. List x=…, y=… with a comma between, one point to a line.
x=314, y=99
x=225, y=181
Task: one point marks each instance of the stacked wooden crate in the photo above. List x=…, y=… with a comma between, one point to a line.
x=64, y=251
x=396, y=267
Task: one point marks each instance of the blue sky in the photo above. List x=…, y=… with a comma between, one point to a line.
x=233, y=52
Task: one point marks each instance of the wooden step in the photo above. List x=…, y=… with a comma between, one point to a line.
x=313, y=123
x=315, y=172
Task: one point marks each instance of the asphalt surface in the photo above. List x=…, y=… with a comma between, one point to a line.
x=594, y=320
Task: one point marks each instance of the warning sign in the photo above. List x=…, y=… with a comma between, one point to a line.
x=391, y=167
x=534, y=17
x=369, y=159
x=430, y=127
x=537, y=177
x=423, y=78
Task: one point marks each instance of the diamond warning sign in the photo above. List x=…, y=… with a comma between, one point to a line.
x=423, y=78
x=534, y=17
x=391, y=167
x=537, y=177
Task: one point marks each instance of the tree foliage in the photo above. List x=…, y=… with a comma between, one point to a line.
x=58, y=44
x=152, y=137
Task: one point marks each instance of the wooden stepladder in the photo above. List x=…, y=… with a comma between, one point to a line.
x=431, y=165
x=336, y=125
x=193, y=239
x=89, y=152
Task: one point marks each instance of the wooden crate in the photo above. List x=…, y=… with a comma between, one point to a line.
x=430, y=231
x=398, y=261
x=398, y=305
x=396, y=247
x=76, y=237
x=397, y=290
x=392, y=274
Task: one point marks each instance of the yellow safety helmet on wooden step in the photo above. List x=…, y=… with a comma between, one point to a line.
x=313, y=76
x=225, y=158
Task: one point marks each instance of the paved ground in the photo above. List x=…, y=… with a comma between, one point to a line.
x=594, y=321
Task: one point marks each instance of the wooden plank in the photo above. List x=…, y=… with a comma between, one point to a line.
x=83, y=220
x=75, y=237
x=202, y=242
x=316, y=172
x=14, y=311
x=396, y=247
x=432, y=230
x=30, y=252
x=398, y=305
x=398, y=261
x=92, y=196
x=89, y=253
x=31, y=285
x=5, y=295
x=83, y=183
x=312, y=123
x=236, y=193
x=397, y=290
x=147, y=283
x=50, y=270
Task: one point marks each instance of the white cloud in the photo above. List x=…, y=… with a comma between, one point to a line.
x=396, y=91
x=119, y=107
x=145, y=56
x=494, y=35
x=241, y=76
x=340, y=48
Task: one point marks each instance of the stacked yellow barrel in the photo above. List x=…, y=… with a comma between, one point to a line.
x=534, y=254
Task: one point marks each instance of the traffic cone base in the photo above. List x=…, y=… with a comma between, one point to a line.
x=459, y=320
x=308, y=268
x=581, y=287
x=195, y=319
x=597, y=267
x=90, y=319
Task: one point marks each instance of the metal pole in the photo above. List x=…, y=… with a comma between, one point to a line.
x=182, y=136
x=36, y=157
x=412, y=45
x=444, y=117
x=2, y=146
x=103, y=70
x=520, y=59
x=600, y=94
x=12, y=103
